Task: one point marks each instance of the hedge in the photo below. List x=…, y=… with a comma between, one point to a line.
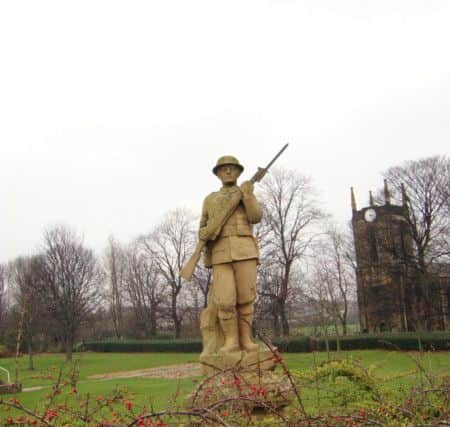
x=135, y=346
x=404, y=341
x=294, y=345
x=400, y=341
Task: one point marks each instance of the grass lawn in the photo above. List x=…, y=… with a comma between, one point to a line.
x=395, y=371
x=94, y=363
x=157, y=390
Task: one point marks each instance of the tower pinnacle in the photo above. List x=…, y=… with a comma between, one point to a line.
x=387, y=194
x=353, y=199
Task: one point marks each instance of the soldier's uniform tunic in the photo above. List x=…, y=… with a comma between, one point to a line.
x=234, y=254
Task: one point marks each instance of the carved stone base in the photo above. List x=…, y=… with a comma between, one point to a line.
x=241, y=390
x=262, y=359
x=237, y=380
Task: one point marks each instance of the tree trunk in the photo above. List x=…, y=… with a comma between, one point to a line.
x=276, y=325
x=177, y=324
x=153, y=327
x=327, y=342
x=338, y=342
x=285, y=324
x=344, y=326
x=30, y=356
x=283, y=317
x=175, y=318
x=115, y=323
x=69, y=350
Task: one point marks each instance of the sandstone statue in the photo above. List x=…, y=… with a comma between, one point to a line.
x=230, y=355
x=231, y=250
x=233, y=255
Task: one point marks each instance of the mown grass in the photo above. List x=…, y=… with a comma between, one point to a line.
x=394, y=371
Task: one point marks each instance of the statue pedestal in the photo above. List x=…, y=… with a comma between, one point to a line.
x=263, y=359
x=243, y=381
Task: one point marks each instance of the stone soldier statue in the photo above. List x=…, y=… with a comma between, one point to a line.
x=232, y=254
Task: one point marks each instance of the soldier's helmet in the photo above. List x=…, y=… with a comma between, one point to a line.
x=227, y=160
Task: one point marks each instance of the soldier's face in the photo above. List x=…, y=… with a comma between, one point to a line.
x=228, y=174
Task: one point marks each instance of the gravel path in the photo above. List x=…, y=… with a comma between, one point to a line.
x=171, y=371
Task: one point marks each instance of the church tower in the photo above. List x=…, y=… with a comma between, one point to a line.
x=385, y=272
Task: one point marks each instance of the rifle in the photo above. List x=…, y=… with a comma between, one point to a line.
x=188, y=270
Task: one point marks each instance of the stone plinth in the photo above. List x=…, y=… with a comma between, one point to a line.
x=243, y=390
x=243, y=381
x=263, y=359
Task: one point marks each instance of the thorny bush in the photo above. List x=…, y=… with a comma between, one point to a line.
x=346, y=394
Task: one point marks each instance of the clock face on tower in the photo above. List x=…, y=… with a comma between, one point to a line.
x=370, y=215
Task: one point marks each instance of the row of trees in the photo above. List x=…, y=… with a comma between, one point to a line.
x=427, y=193
x=306, y=277
x=54, y=291
x=144, y=275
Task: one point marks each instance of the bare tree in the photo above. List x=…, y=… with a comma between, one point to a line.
x=144, y=288
x=427, y=185
x=115, y=265
x=3, y=272
x=201, y=279
x=267, y=311
x=342, y=283
x=71, y=279
x=334, y=280
x=170, y=245
x=290, y=213
x=195, y=298
x=193, y=301
x=318, y=300
x=25, y=274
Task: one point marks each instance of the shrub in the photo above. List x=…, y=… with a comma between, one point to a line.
x=294, y=345
x=165, y=336
x=135, y=346
x=400, y=341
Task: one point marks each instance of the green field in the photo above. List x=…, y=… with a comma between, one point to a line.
x=157, y=391
x=394, y=372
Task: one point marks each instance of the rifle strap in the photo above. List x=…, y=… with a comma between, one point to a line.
x=222, y=210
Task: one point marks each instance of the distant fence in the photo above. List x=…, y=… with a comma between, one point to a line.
x=400, y=341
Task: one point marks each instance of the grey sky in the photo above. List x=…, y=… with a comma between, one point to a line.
x=113, y=113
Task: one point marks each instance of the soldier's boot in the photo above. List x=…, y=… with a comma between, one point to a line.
x=245, y=312
x=229, y=325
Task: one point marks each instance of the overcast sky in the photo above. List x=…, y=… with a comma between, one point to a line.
x=114, y=112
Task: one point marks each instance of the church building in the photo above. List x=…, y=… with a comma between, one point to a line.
x=393, y=294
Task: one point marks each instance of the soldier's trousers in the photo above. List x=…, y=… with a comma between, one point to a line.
x=234, y=283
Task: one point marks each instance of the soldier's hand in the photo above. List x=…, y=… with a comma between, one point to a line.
x=203, y=233
x=247, y=187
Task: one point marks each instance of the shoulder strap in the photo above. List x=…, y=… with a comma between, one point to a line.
x=222, y=213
